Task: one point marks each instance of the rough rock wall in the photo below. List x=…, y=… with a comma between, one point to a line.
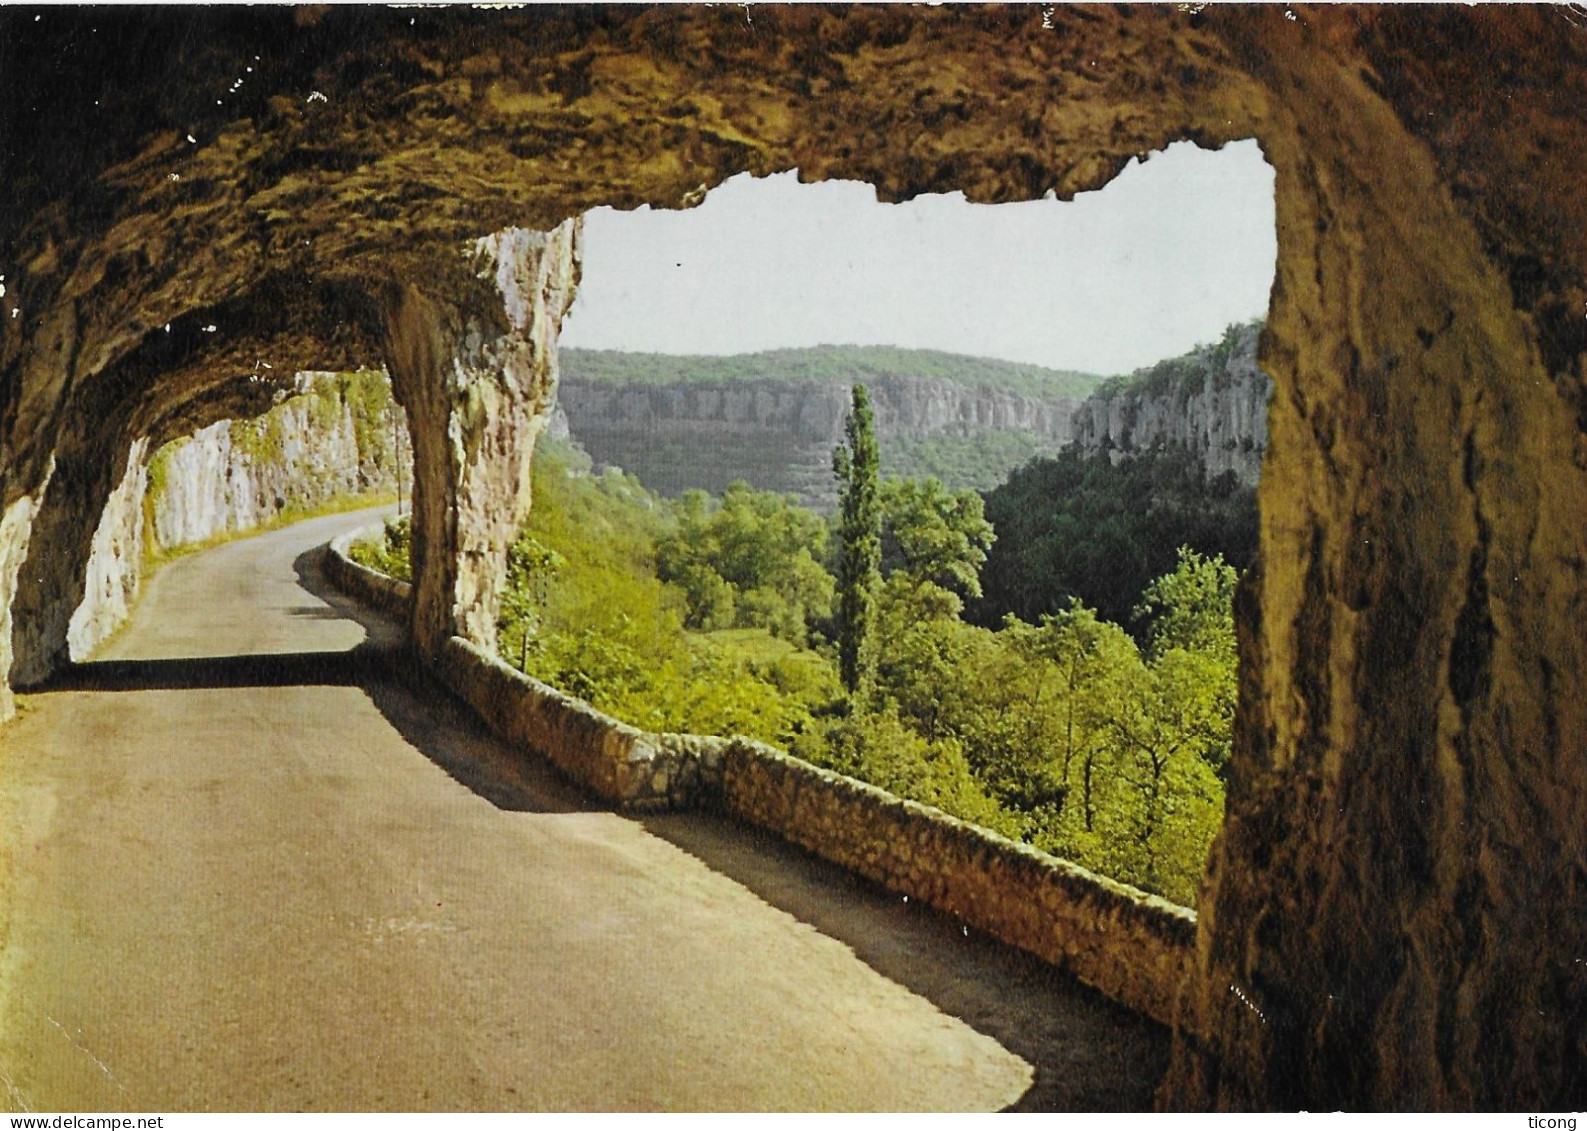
x=1212, y=402
x=476, y=369
x=16, y=525
x=1394, y=915
x=779, y=435
x=209, y=486
x=53, y=572
x=114, y=565
x=1398, y=893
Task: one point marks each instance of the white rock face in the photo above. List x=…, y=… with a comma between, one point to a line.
x=1212, y=402
x=234, y=476
x=778, y=435
x=113, y=567
x=16, y=526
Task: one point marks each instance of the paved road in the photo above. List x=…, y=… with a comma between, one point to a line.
x=249, y=863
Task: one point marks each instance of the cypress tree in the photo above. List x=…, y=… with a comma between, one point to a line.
x=855, y=463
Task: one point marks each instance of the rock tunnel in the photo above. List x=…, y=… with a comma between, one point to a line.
x=199, y=202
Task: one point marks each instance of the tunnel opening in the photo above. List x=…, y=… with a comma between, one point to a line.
x=338, y=440
x=1068, y=680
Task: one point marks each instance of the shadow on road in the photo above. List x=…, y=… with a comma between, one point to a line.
x=429, y=717
x=315, y=612
x=1087, y=1053
x=291, y=669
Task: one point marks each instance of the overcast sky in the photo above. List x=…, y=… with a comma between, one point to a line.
x=1162, y=259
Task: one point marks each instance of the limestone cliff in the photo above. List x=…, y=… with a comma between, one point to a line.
x=775, y=425
x=1212, y=401
x=234, y=475
x=115, y=562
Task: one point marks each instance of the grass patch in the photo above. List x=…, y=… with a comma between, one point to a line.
x=756, y=645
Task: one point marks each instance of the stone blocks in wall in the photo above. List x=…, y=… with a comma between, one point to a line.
x=367, y=585
x=1133, y=947
x=618, y=762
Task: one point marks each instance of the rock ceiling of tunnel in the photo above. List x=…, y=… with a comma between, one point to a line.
x=229, y=166
x=358, y=147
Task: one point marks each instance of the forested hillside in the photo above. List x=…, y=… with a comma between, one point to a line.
x=1053, y=658
x=1165, y=457
x=1082, y=527
x=770, y=419
x=819, y=365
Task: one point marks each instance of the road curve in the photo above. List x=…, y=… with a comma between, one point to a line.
x=251, y=864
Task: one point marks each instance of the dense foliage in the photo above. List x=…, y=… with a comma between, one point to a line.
x=845, y=364
x=1060, y=730
x=934, y=543
x=390, y=556
x=586, y=611
x=752, y=560
x=1075, y=527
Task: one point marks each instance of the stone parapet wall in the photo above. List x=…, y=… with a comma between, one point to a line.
x=367, y=585
x=618, y=762
x=1133, y=947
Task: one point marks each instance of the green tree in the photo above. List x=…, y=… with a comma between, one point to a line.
x=1189, y=616
x=878, y=747
x=930, y=668
x=750, y=561
x=1165, y=738
x=532, y=568
x=854, y=463
x=1154, y=799
x=1094, y=666
x=934, y=538
x=1074, y=526
x=1192, y=607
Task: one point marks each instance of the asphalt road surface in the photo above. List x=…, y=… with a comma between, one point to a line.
x=249, y=861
